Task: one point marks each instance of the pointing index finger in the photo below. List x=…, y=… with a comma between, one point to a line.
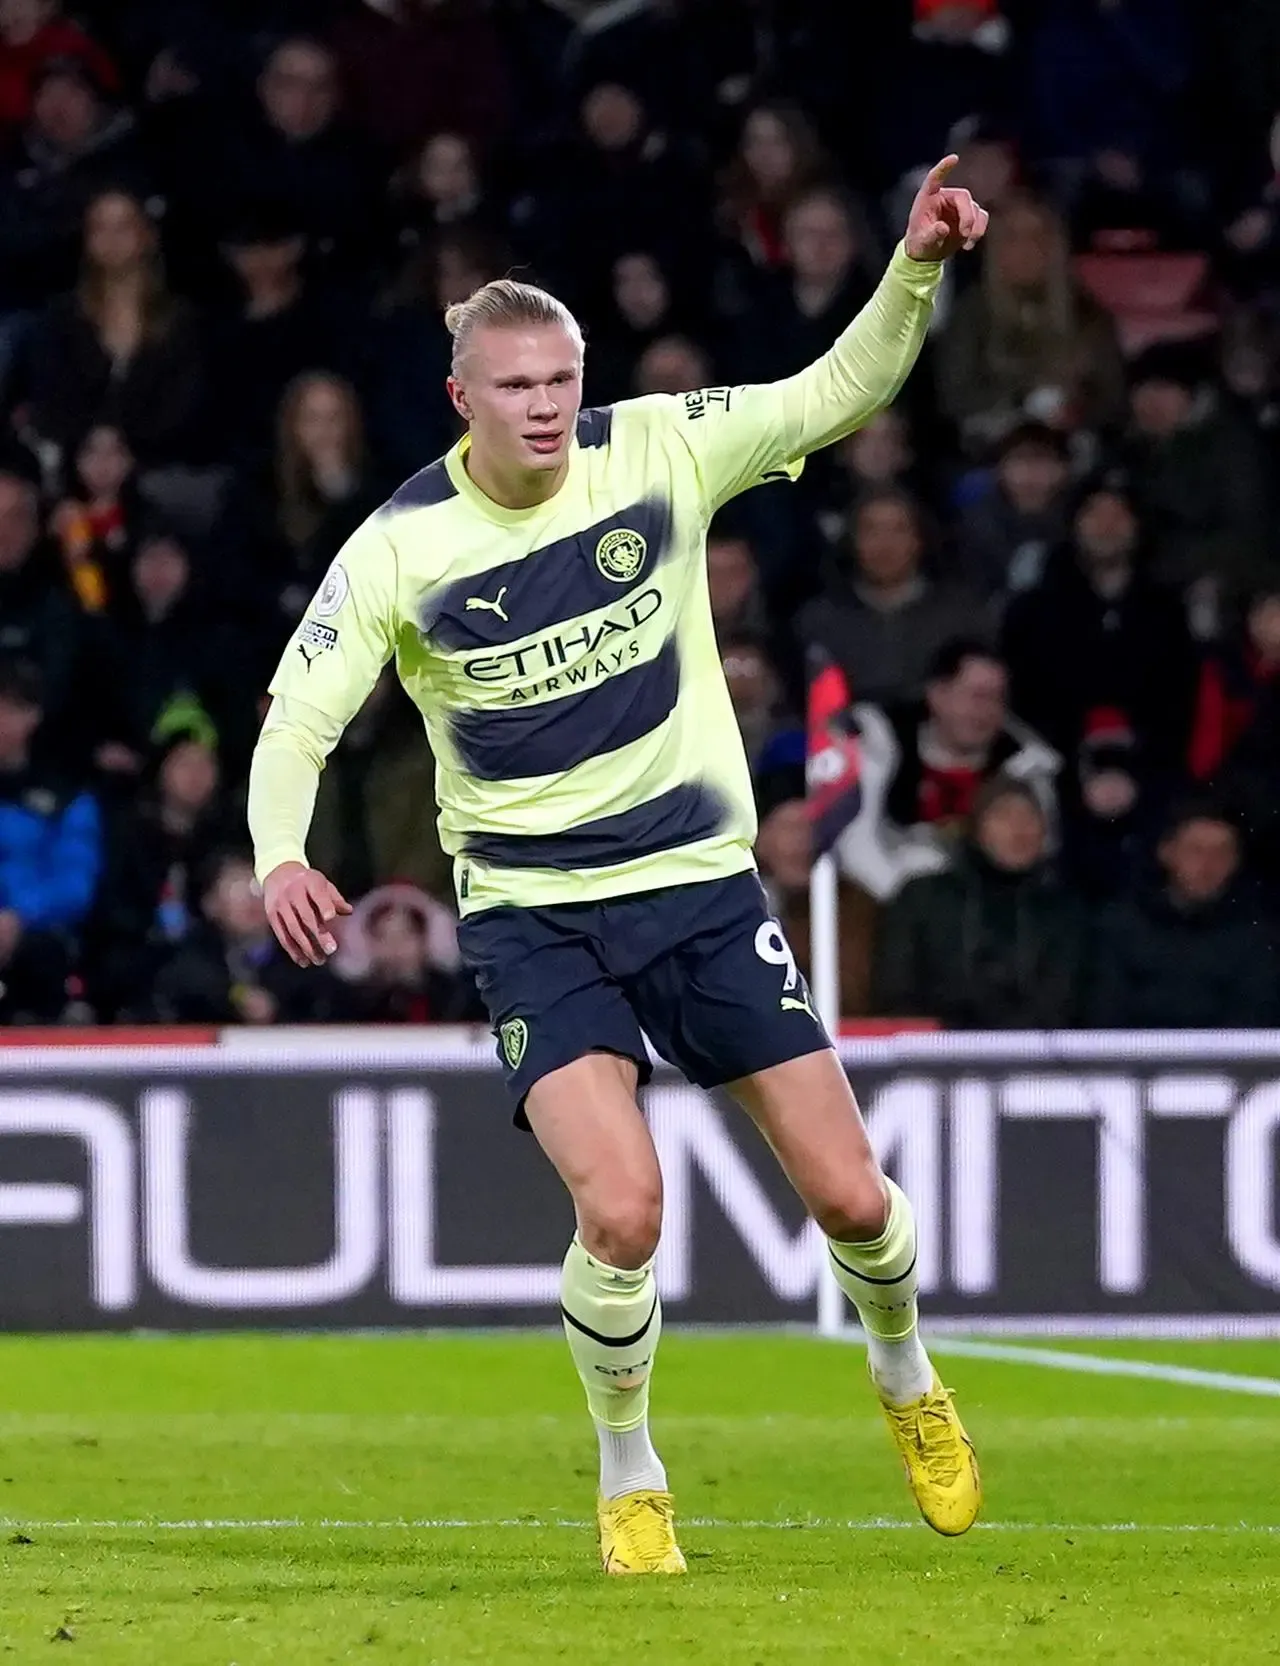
x=938, y=173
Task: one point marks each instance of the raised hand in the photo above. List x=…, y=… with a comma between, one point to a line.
x=301, y=905
x=944, y=219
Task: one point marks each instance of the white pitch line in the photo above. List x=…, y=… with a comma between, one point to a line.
x=1102, y=1365
x=702, y=1523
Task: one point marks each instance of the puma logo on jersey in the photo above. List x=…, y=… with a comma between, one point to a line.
x=791, y=1004
x=478, y=604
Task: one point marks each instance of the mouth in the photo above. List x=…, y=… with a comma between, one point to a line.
x=544, y=444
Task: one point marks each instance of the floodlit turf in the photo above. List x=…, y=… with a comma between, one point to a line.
x=1127, y=1519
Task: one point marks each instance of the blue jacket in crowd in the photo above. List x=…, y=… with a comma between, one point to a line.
x=50, y=852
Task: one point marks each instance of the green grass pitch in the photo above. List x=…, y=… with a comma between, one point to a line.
x=231, y=1501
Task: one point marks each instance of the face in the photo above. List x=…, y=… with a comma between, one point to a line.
x=160, y=573
x=520, y=389
x=19, y=522
x=104, y=462
x=987, y=169
x=886, y=544
x=820, y=242
x=612, y=117
x=1264, y=626
x=879, y=452
x=753, y=688
x=1106, y=530
x=21, y=19
x=446, y=170
x=1032, y=476
x=18, y=723
x=65, y=112
x=1201, y=859
x=1024, y=248
x=970, y=708
x=118, y=234
x=767, y=150
x=1011, y=833
x=1160, y=408
x=731, y=576
x=234, y=904
x=322, y=423
x=299, y=90
x=640, y=291
x=189, y=775
x=785, y=845
x=672, y=365
x=397, y=947
x=266, y=265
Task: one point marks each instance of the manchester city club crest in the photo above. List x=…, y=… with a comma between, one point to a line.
x=514, y=1035
x=620, y=555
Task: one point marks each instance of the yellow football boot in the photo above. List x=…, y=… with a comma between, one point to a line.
x=638, y=1534
x=938, y=1456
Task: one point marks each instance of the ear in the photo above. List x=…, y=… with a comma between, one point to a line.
x=458, y=394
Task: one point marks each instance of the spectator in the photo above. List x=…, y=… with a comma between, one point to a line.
x=801, y=309
x=231, y=969
x=295, y=154
x=992, y=943
x=442, y=189
x=672, y=364
x=414, y=67
x=76, y=145
x=1006, y=536
x=1098, y=634
x=879, y=456
x=167, y=664
x=923, y=763
x=411, y=351
x=778, y=159
x=733, y=581
x=1196, y=473
x=641, y=309
x=323, y=489
x=38, y=619
x=1113, y=804
x=50, y=857
x=1027, y=343
x=122, y=350
x=400, y=952
x=773, y=738
x=281, y=325
x=1187, y=951
x=885, y=622
x=784, y=851
x=98, y=514
x=156, y=850
x=32, y=33
x=1233, y=678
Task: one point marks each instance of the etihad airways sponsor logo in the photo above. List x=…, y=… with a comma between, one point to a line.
x=572, y=655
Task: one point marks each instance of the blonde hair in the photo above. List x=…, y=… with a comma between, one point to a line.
x=503, y=304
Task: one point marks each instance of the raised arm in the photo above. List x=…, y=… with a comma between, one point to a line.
x=328, y=670
x=741, y=436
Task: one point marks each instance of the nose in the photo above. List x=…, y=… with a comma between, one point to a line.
x=542, y=404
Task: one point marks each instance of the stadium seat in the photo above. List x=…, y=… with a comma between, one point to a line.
x=1152, y=296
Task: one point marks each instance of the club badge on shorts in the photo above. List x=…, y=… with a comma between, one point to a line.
x=514, y=1036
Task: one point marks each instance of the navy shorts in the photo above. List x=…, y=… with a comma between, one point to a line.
x=702, y=970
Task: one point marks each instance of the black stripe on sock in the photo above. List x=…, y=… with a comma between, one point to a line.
x=610, y=1341
x=866, y=1277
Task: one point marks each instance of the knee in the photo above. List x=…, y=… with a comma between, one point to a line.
x=857, y=1210
x=622, y=1228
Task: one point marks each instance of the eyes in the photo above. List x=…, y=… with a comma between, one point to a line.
x=523, y=384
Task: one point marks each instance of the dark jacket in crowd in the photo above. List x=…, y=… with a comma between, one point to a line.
x=40, y=622
x=50, y=850
x=205, y=980
x=886, y=652
x=157, y=399
x=1162, y=966
x=1072, y=652
x=980, y=948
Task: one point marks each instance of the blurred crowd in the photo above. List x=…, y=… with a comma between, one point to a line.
x=1049, y=576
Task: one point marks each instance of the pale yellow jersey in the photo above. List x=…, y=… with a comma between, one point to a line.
x=563, y=657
